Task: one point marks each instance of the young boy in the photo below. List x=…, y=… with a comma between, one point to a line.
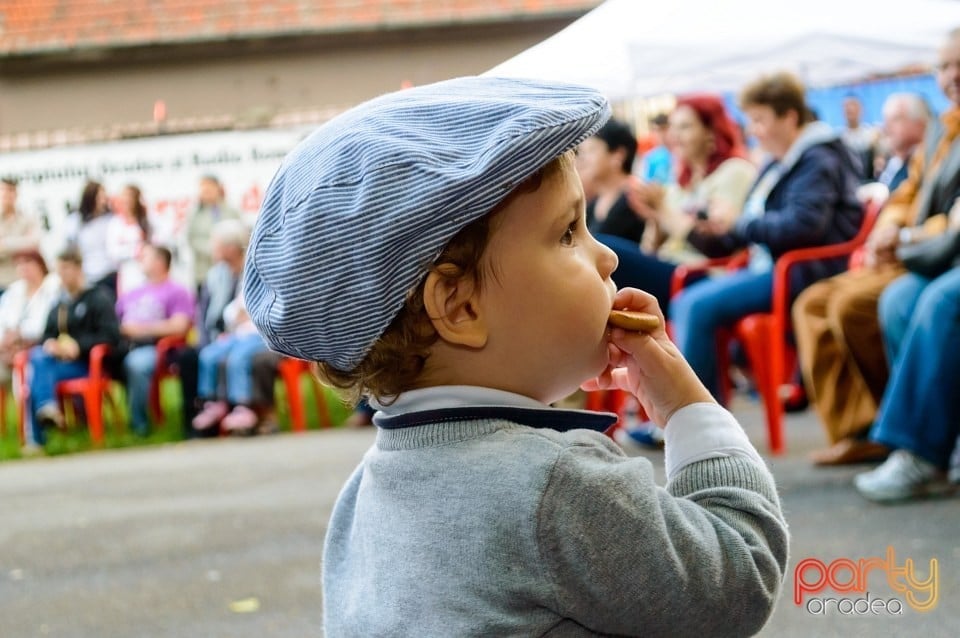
x=428, y=250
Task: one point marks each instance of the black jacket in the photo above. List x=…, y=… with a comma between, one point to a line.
x=91, y=320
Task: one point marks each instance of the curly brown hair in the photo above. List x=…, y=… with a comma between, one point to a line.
x=397, y=359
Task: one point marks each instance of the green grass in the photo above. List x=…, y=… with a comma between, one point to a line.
x=118, y=435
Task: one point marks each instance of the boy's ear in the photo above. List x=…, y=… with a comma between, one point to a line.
x=451, y=302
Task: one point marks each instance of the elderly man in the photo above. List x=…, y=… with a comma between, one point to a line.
x=838, y=335
x=905, y=118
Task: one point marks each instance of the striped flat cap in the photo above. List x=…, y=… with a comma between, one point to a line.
x=361, y=208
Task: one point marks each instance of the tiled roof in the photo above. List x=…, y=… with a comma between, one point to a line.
x=36, y=26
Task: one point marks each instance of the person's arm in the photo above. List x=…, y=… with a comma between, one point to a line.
x=712, y=245
x=725, y=192
x=705, y=556
x=727, y=189
x=52, y=329
x=899, y=209
x=178, y=324
x=32, y=325
x=669, y=214
x=813, y=191
x=11, y=304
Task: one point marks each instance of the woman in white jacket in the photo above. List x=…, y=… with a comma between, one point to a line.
x=24, y=307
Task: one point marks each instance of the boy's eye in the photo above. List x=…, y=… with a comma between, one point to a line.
x=570, y=233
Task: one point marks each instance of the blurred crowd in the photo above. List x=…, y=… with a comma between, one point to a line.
x=111, y=285
x=877, y=332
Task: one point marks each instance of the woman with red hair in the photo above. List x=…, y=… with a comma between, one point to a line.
x=713, y=178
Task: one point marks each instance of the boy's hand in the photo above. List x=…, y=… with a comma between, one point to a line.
x=648, y=364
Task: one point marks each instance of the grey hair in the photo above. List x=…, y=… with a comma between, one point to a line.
x=231, y=232
x=917, y=107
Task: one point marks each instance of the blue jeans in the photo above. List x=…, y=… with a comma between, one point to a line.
x=236, y=352
x=139, y=365
x=698, y=311
x=640, y=270
x=920, y=412
x=46, y=371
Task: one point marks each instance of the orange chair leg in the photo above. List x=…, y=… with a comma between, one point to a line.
x=764, y=348
x=23, y=400
x=773, y=401
x=298, y=417
x=93, y=405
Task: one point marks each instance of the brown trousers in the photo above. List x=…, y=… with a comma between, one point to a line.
x=840, y=348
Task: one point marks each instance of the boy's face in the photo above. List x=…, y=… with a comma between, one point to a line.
x=547, y=291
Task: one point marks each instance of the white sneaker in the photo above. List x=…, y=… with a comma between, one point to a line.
x=953, y=474
x=902, y=476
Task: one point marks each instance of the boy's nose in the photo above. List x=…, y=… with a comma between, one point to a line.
x=607, y=260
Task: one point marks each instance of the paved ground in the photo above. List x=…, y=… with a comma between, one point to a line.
x=223, y=539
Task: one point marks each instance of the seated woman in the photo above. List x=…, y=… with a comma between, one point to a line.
x=713, y=179
x=24, y=307
x=603, y=163
x=234, y=350
x=805, y=196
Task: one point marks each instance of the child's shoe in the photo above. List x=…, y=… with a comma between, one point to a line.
x=240, y=420
x=953, y=474
x=212, y=413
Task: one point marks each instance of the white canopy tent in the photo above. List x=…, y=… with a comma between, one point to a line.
x=637, y=48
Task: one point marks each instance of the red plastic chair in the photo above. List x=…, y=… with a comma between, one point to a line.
x=3, y=412
x=90, y=389
x=162, y=371
x=20, y=361
x=764, y=336
x=608, y=401
x=290, y=371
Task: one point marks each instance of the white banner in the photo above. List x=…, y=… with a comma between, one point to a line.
x=167, y=169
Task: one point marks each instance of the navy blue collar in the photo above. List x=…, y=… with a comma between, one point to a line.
x=553, y=418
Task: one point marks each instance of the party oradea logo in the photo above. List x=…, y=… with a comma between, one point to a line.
x=865, y=587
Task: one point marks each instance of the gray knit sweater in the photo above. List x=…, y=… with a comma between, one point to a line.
x=496, y=526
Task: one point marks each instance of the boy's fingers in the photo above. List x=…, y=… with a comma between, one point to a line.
x=633, y=299
x=628, y=341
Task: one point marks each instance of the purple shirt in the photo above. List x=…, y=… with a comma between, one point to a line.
x=155, y=302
